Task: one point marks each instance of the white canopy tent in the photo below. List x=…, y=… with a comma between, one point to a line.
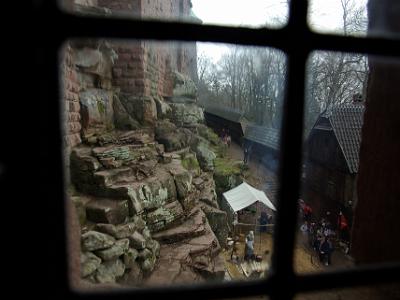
x=245, y=195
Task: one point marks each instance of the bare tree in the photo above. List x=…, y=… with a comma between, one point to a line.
x=335, y=77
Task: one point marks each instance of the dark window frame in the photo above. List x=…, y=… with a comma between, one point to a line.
x=282, y=282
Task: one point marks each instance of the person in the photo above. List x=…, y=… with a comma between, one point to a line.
x=249, y=246
x=304, y=228
x=228, y=140
x=223, y=134
x=246, y=154
x=325, y=251
x=235, y=247
x=307, y=211
x=263, y=221
x=343, y=226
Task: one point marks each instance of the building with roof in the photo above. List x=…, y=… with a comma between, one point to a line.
x=331, y=161
x=230, y=119
x=264, y=145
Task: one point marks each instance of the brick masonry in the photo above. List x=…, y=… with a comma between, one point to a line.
x=71, y=100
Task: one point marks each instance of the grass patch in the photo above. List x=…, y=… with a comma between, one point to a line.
x=190, y=163
x=225, y=166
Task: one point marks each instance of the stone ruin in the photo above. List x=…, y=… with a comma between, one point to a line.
x=141, y=164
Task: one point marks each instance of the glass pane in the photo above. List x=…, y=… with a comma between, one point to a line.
x=348, y=205
x=354, y=17
x=154, y=136
x=344, y=17
x=253, y=13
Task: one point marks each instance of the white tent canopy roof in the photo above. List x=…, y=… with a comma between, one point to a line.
x=245, y=195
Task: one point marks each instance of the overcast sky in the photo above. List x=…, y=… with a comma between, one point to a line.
x=326, y=15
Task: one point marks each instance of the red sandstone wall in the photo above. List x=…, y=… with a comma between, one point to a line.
x=144, y=68
x=128, y=70
x=71, y=99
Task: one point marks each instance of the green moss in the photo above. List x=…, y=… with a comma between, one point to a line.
x=101, y=107
x=190, y=163
x=220, y=150
x=224, y=166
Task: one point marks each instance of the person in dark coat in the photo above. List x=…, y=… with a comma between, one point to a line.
x=325, y=251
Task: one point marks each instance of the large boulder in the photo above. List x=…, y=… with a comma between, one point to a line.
x=163, y=109
x=204, y=154
x=82, y=166
x=218, y=221
x=164, y=216
x=119, y=231
x=89, y=263
x=115, y=251
x=122, y=119
x=109, y=271
x=141, y=108
x=96, y=108
x=93, y=240
x=186, y=114
x=137, y=241
x=107, y=211
x=183, y=182
x=134, y=276
x=129, y=258
x=171, y=137
x=97, y=60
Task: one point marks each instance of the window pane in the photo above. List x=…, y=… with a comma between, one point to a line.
x=253, y=13
x=354, y=17
x=154, y=135
x=348, y=195
x=344, y=17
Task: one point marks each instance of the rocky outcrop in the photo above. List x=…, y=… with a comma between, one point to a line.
x=122, y=119
x=146, y=206
x=141, y=108
x=114, y=253
x=190, y=253
x=186, y=114
x=204, y=154
x=171, y=137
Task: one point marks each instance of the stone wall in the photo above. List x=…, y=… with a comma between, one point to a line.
x=71, y=100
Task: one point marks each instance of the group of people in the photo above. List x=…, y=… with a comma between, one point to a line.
x=321, y=234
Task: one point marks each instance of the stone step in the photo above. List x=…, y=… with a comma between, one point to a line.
x=165, y=217
x=194, y=226
x=148, y=194
x=194, y=259
x=140, y=137
x=107, y=211
x=108, y=177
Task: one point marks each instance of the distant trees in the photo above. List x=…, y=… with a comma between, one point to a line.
x=335, y=77
x=247, y=79
x=252, y=79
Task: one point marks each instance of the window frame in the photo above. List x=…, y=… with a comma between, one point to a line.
x=47, y=54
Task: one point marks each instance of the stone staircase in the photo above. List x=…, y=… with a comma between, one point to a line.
x=138, y=206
